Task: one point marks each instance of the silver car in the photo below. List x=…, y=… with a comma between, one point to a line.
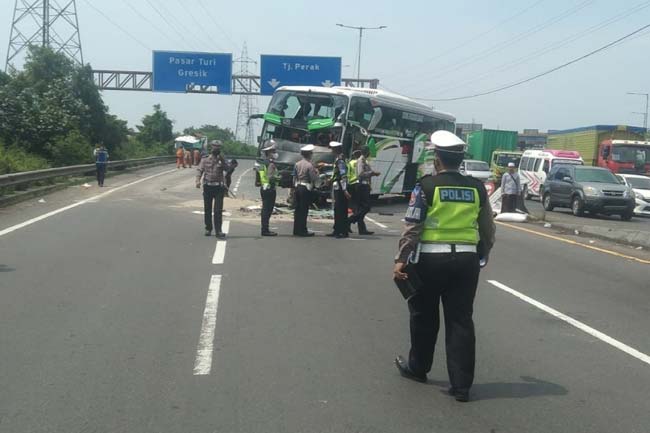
x=477, y=169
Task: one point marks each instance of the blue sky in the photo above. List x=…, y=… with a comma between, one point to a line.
x=431, y=49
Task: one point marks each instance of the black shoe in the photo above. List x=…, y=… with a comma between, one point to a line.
x=366, y=233
x=305, y=235
x=342, y=236
x=208, y=232
x=461, y=396
x=269, y=233
x=404, y=369
x=221, y=235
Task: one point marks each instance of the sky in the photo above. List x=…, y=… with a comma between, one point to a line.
x=430, y=49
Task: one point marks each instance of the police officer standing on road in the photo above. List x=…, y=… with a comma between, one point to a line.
x=268, y=179
x=101, y=160
x=353, y=184
x=448, y=236
x=212, y=170
x=341, y=193
x=305, y=177
x=363, y=173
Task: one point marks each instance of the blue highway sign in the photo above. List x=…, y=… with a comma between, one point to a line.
x=174, y=71
x=280, y=71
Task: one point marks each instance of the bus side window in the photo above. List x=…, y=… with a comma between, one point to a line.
x=546, y=166
x=538, y=162
x=524, y=163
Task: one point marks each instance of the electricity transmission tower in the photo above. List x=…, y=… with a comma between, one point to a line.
x=245, y=130
x=47, y=23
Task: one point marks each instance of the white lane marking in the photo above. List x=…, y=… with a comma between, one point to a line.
x=220, y=250
x=219, y=253
x=378, y=224
x=203, y=363
x=240, y=178
x=79, y=203
x=586, y=328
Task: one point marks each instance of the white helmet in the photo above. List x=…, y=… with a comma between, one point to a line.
x=446, y=141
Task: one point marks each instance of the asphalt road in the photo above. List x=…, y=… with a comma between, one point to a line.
x=564, y=215
x=118, y=315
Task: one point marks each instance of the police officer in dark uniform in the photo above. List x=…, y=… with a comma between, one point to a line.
x=448, y=237
x=341, y=193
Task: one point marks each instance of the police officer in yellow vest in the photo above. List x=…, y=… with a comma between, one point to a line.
x=340, y=191
x=268, y=179
x=353, y=183
x=448, y=237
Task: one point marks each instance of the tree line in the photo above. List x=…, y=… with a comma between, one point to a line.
x=52, y=114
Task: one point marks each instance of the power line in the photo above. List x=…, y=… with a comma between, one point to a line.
x=145, y=18
x=469, y=41
x=126, y=32
x=553, y=47
x=511, y=41
x=200, y=24
x=185, y=29
x=171, y=26
x=535, y=77
x=216, y=23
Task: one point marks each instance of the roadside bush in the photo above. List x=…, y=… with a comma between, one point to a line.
x=72, y=149
x=13, y=159
x=135, y=149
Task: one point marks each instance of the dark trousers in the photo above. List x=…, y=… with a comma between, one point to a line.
x=213, y=201
x=362, y=207
x=341, y=223
x=101, y=173
x=353, y=203
x=508, y=203
x=302, y=199
x=268, y=203
x=451, y=278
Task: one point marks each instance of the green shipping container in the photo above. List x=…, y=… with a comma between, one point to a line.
x=586, y=140
x=481, y=144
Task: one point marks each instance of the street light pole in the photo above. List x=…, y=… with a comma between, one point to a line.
x=361, y=29
x=645, y=117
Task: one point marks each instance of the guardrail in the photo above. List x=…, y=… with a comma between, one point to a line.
x=13, y=179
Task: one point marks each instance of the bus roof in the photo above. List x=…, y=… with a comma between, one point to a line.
x=388, y=98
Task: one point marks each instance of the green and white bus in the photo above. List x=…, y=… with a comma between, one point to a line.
x=394, y=127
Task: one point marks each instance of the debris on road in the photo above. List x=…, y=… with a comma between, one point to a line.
x=512, y=217
x=548, y=225
x=576, y=232
x=42, y=201
x=87, y=185
x=252, y=208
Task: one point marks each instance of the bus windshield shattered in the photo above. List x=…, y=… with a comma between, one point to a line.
x=295, y=119
x=305, y=118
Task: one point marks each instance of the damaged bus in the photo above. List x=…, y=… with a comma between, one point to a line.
x=395, y=128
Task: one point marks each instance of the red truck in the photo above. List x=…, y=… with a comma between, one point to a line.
x=620, y=148
x=625, y=156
